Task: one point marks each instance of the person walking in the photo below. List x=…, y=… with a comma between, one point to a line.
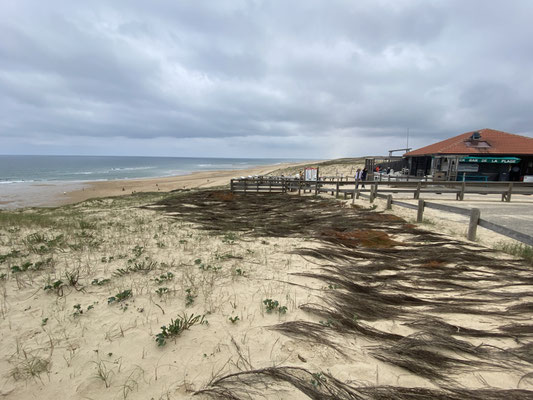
x=357, y=177
x=364, y=173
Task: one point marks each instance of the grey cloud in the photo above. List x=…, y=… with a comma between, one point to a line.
x=263, y=71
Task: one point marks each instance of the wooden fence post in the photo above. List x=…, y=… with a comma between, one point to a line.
x=461, y=194
x=507, y=195
x=316, y=187
x=244, y=185
x=389, y=202
x=420, y=213
x=231, y=186
x=337, y=189
x=299, y=187
x=472, y=226
x=417, y=191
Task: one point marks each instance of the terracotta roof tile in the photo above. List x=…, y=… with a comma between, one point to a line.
x=499, y=143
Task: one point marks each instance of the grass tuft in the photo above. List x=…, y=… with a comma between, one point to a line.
x=178, y=326
x=517, y=249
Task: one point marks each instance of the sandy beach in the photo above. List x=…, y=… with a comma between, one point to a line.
x=206, y=179
x=205, y=294
x=51, y=194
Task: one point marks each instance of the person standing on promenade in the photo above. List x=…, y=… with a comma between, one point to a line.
x=364, y=173
x=357, y=177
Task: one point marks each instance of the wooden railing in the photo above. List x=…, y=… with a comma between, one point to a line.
x=474, y=214
x=351, y=188
x=385, y=189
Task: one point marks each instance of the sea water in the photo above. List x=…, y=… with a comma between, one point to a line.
x=38, y=180
x=17, y=169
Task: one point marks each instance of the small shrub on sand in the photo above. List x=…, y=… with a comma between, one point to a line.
x=78, y=309
x=517, y=249
x=177, y=326
x=103, y=373
x=162, y=291
x=273, y=305
x=56, y=287
x=126, y=294
x=85, y=225
x=189, y=297
x=29, y=367
x=100, y=282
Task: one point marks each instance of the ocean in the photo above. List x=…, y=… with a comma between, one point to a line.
x=19, y=169
x=30, y=181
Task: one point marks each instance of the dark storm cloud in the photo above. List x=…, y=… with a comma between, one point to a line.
x=194, y=74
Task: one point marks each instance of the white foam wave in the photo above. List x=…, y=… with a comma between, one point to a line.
x=130, y=168
x=17, y=181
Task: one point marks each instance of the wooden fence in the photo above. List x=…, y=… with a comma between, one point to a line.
x=474, y=214
x=350, y=188
x=384, y=189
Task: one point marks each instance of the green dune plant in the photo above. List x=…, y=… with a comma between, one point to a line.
x=274, y=305
x=178, y=326
x=120, y=297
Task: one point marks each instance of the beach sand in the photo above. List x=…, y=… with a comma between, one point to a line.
x=207, y=179
x=53, y=194
x=293, y=292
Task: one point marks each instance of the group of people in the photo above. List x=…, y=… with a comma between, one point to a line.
x=360, y=175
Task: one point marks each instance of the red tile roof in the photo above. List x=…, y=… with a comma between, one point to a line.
x=499, y=143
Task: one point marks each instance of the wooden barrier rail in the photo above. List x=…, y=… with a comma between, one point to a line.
x=379, y=188
x=338, y=187
x=474, y=214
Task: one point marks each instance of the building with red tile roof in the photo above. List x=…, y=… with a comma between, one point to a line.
x=486, y=154
x=490, y=142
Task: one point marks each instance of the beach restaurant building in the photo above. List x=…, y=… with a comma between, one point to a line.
x=484, y=155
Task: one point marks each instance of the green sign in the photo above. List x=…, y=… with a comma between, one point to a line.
x=491, y=160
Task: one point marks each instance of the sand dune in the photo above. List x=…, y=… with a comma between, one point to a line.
x=274, y=297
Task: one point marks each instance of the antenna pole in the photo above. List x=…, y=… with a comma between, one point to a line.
x=407, y=139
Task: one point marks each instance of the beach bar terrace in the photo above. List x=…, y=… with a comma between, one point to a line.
x=484, y=155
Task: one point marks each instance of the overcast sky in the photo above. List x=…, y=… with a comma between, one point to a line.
x=297, y=79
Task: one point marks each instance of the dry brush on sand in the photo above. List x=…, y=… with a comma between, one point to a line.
x=450, y=315
x=207, y=294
